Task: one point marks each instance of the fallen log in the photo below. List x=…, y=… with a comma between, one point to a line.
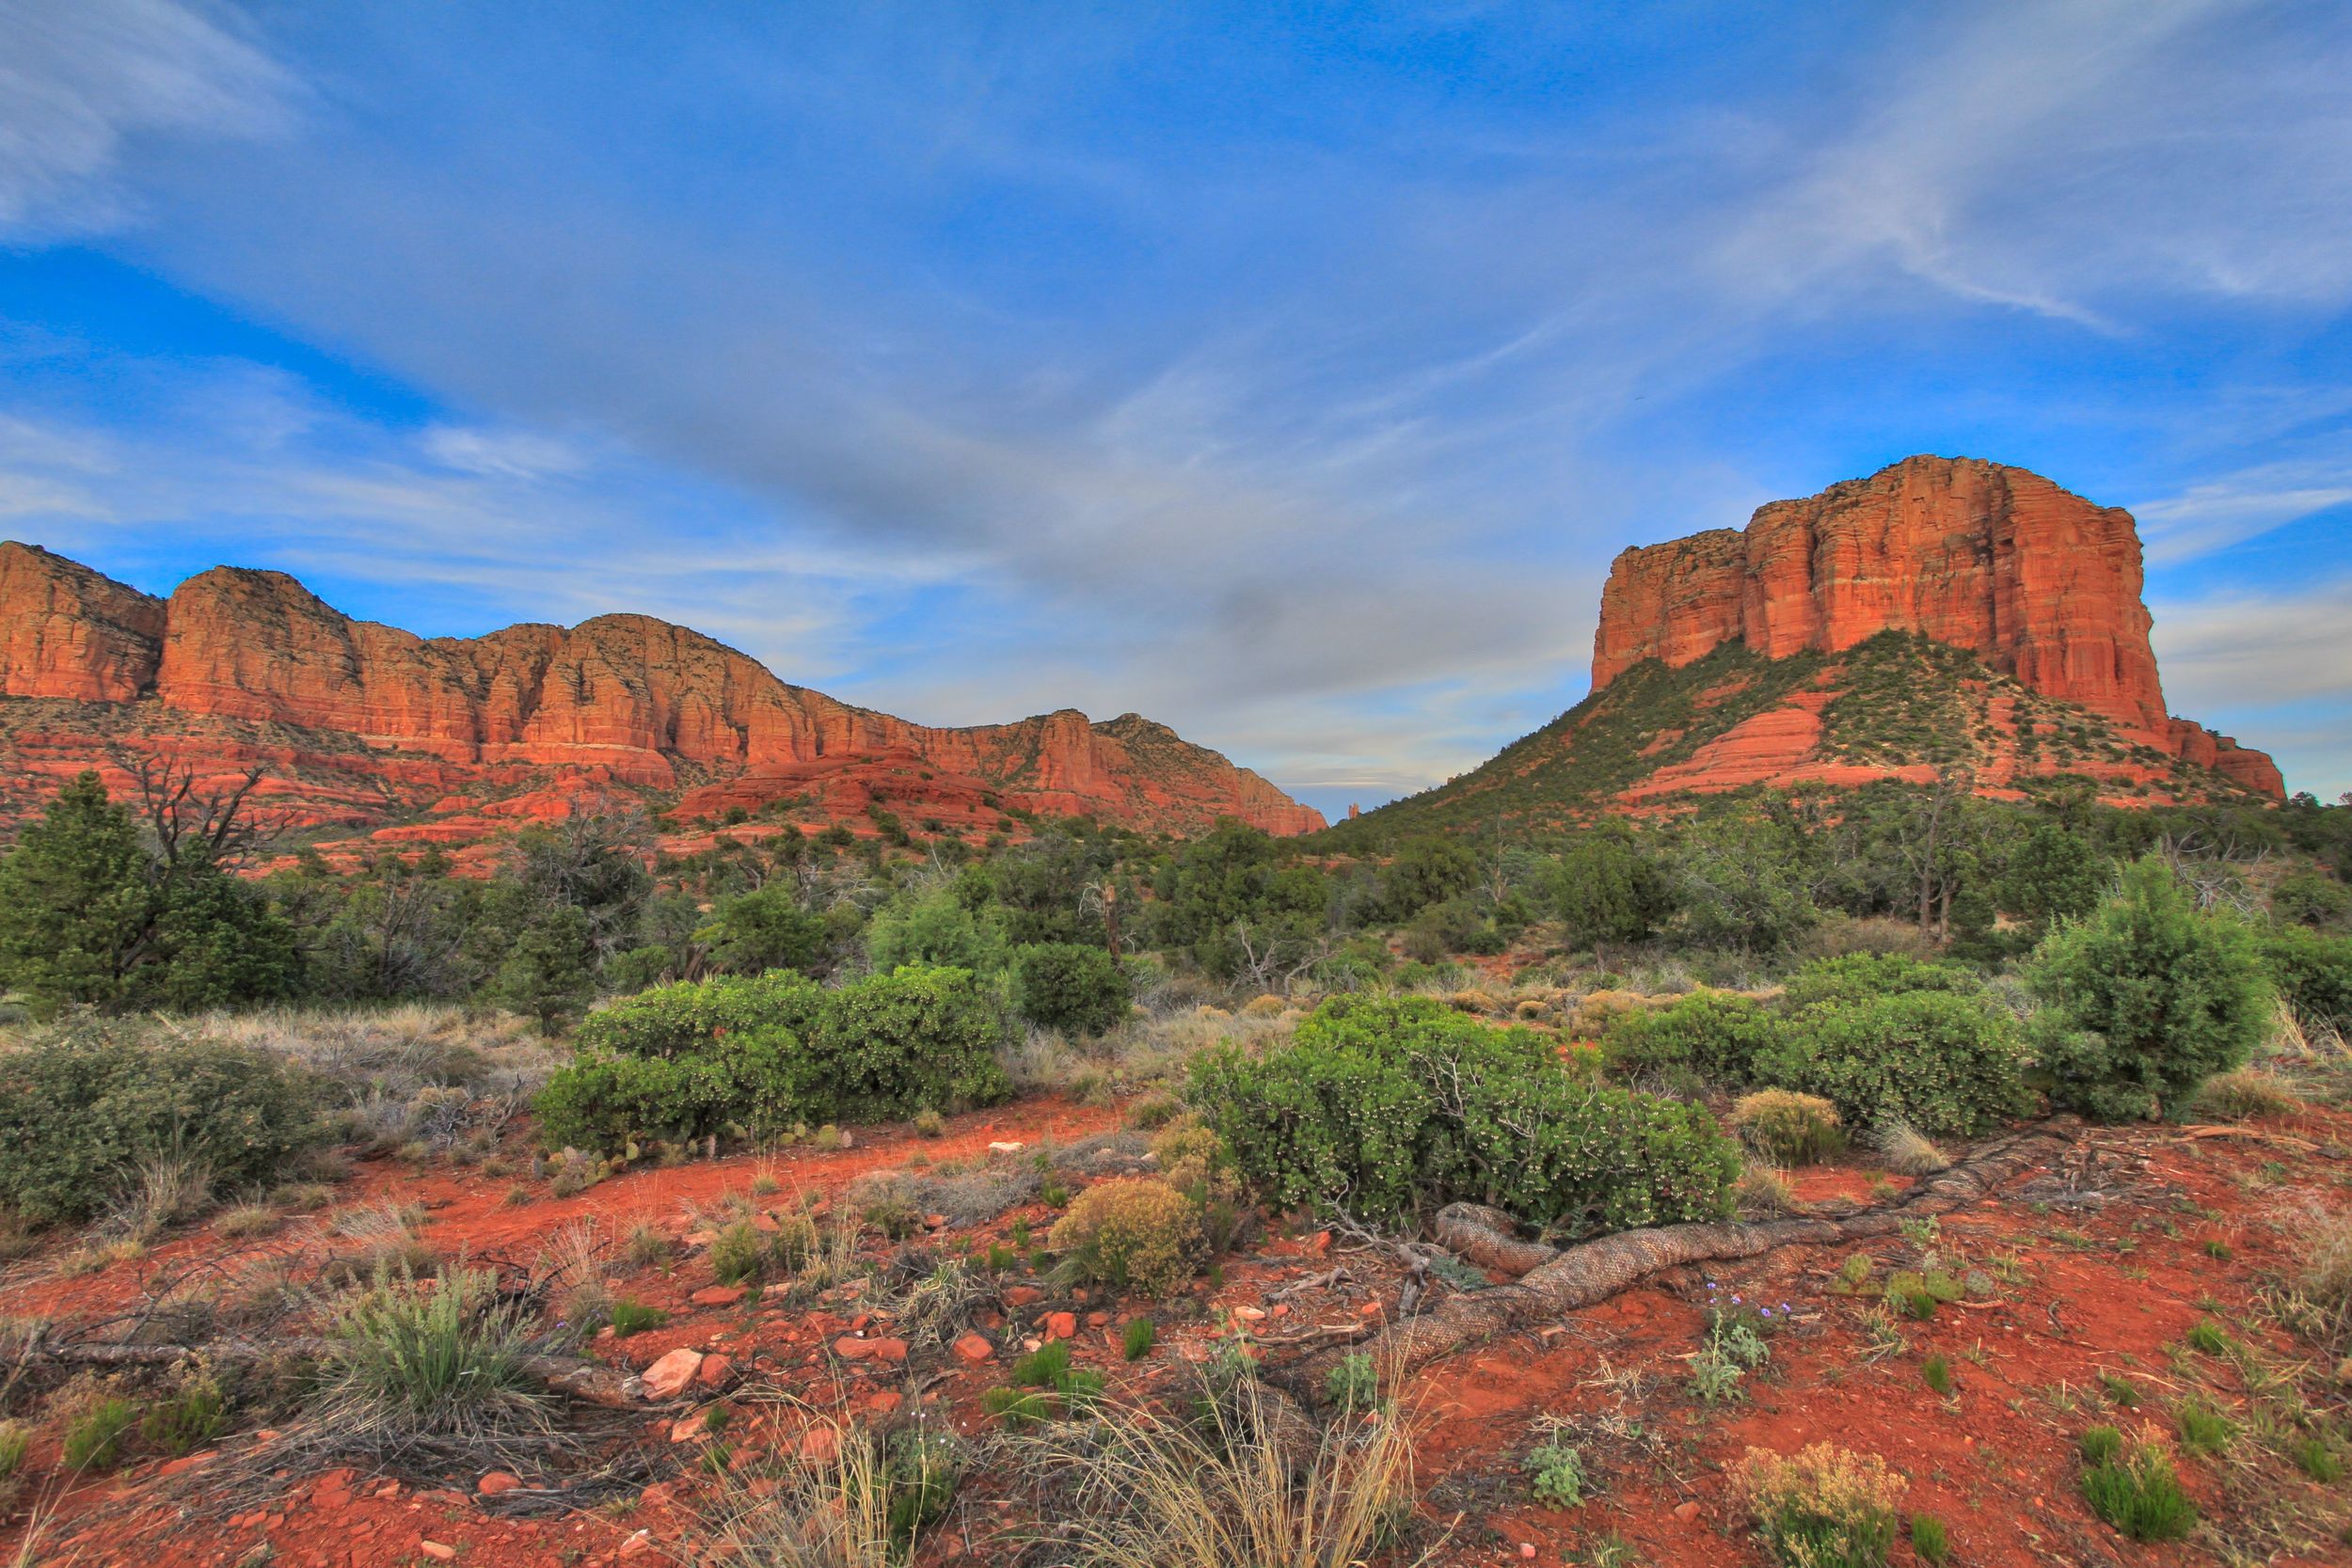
x=572, y=1377
x=1558, y=1281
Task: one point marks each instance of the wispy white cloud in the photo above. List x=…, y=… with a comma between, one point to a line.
x=2251, y=651
x=2213, y=515
x=83, y=81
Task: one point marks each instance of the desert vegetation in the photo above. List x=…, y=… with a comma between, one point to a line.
x=1092, y=1197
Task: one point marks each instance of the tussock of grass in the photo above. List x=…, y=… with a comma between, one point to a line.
x=866, y=1508
x=408, y=1362
x=2248, y=1094
x=1149, y=1489
x=1906, y=1151
x=2131, y=1484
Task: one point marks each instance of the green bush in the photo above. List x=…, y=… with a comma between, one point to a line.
x=84, y=1103
x=2313, y=970
x=760, y=1054
x=1716, y=1035
x=1942, y=1062
x=1860, y=976
x=2145, y=999
x=1061, y=985
x=1390, y=1106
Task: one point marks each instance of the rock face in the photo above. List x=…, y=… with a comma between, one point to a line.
x=2040, y=583
x=241, y=665
x=68, y=632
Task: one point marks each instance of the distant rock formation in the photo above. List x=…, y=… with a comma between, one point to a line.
x=1943, y=619
x=356, y=722
x=2040, y=583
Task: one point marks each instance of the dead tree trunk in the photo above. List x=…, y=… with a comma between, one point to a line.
x=1555, y=1282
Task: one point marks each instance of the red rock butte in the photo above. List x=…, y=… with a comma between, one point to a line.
x=2040, y=583
x=360, y=724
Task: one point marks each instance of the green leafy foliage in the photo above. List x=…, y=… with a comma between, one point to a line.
x=763, y=930
x=1059, y=985
x=940, y=928
x=1390, y=1106
x=1716, y=1035
x=1555, y=1472
x=94, y=1440
x=84, y=1101
x=1944, y=1064
x=186, y=1419
x=769, y=1051
x=1861, y=976
x=2313, y=970
x=88, y=915
x=2146, y=999
x=1605, y=887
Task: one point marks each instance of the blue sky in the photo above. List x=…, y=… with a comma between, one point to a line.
x=1287, y=373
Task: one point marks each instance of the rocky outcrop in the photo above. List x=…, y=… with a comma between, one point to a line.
x=2042, y=584
x=633, y=700
x=66, y=631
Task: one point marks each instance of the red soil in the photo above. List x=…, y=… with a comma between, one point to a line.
x=2102, y=1287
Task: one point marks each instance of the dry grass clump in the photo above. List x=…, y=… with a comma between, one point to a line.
x=375, y=1238
x=247, y=1220
x=829, y=1515
x=1836, y=936
x=1145, y=1051
x=568, y=1273
x=166, y=1190
x=1136, y=1232
x=1587, y=1015
x=1146, y=1489
x=2316, y=1299
x=1764, y=1191
x=865, y=1507
x=1788, y=1128
x=1906, y=1151
x=413, y=1073
x=411, y=1363
x=1149, y=1112
x=2246, y=1094
x=889, y=1200
x=1823, y=1507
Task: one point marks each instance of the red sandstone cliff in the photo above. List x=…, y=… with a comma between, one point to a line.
x=252, y=666
x=2042, y=584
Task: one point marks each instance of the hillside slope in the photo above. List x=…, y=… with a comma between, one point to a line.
x=1942, y=612
x=361, y=725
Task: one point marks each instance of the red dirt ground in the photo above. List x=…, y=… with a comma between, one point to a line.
x=2078, y=1286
